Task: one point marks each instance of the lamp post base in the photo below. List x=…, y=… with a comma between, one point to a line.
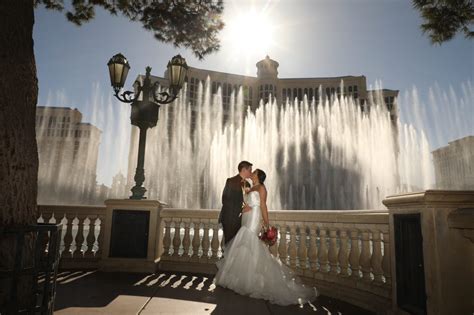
x=138, y=193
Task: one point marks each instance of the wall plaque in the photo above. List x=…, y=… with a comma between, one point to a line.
x=129, y=235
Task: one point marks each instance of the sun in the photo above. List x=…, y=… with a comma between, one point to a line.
x=250, y=33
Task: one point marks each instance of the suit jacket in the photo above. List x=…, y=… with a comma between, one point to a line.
x=232, y=199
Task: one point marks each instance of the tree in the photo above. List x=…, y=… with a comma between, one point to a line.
x=443, y=19
x=189, y=24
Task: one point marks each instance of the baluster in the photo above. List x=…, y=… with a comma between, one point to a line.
x=67, y=253
x=274, y=247
x=222, y=246
x=100, y=235
x=302, y=250
x=282, y=250
x=205, y=241
x=196, y=241
x=46, y=216
x=355, y=254
x=176, y=238
x=167, y=238
x=365, y=255
x=313, y=249
x=292, y=246
x=323, y=251
x=79, y=253
x=186, y=239
x=215, y=240
x=90, y=237
x=344, y=253
x=45, y=236
x=376, y=261
x=332, y=255
x=386, y=259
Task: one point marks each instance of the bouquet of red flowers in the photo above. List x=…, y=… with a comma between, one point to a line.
x=269, y=236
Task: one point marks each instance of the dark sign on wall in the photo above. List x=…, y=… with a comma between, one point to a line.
x=129, y=236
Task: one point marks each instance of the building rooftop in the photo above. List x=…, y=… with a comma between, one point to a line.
x=55, y=107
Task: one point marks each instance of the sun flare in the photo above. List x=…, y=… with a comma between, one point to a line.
x=250, y=33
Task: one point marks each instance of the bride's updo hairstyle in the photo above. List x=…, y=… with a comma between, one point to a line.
x=261, y=176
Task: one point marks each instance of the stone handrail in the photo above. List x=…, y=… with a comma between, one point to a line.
x=344, y=252
x=79, y=247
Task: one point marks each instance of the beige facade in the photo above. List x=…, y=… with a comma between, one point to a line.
x=68, y=150
x=268, y=83
x=454, y=165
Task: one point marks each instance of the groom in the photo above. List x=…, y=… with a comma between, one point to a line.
x=233, y=201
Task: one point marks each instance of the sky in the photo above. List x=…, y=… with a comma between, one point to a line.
x=380, y=39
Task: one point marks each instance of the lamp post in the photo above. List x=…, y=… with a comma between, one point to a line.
x=145, y=111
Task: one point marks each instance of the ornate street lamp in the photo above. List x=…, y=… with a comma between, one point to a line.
x=145, y=111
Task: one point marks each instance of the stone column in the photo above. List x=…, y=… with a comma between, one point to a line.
x=447, y=253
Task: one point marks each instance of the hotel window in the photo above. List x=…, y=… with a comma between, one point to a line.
x=328, y=92
x=310, y=95
x=306, y=92
x=339, y=90
x=214, y=88
x=283, y=95
x=333, y=90
x=300, y=94
x=295, y=92
x=350, y=88
x=355, y=88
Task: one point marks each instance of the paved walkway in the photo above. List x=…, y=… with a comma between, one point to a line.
x=94, y=292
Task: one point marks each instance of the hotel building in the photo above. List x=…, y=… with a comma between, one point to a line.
x=68, y=150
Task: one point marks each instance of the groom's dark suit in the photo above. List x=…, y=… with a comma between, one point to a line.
x=232, y=200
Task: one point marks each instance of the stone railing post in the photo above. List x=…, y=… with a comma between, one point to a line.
x=205, y=242
x=186, y=239
x=376, y=261
x=215, y=240
x=332, y=254
x=176, y=238
x=292, y=247
x=313, y=249
x=344, y=252
x=354, y=254
x=67, y=253
x=365, y=255
x=90, y=237
x=387, y=272
x=196, y=240
x=302, y=249
x=323, y=250
x=282, y=247
x=78, y=253
x=100, y=236
x=167, y=239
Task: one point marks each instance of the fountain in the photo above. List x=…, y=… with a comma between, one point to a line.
x=326, y=156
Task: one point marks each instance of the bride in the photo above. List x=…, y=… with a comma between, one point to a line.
x=249, y=268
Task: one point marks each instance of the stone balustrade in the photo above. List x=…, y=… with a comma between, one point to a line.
x=343, y=253
x=82, y=235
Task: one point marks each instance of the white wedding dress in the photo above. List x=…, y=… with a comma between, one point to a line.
x=249, y=268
